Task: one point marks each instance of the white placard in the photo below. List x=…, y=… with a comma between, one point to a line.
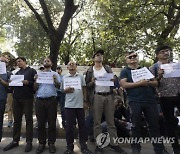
x=105, y=80
x=45, y=77
x=171, y=70
x=141, y=74
x=72, y=82
x=16, y=80
x=2, y=68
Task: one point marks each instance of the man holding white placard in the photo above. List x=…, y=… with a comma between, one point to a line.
x=73, y=85
x=100, y=97
x=23, y=97
x=166, y=72
x=46, y=106
x=141, y=99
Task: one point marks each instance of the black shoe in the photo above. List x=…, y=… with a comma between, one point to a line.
x=117, y=149
x=98, y=150
x=86, y=151
x=68, y=151
x=52, y=148
x=11, y=146
x=28, y=147
x=40, y=148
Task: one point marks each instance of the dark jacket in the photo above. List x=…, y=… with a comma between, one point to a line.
x=90, y=85
x=25, y=91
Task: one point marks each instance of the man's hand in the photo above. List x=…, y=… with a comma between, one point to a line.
x=143, y=82
x=69, y=90
x=25, y=82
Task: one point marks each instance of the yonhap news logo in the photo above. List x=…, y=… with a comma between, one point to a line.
x=103, y=140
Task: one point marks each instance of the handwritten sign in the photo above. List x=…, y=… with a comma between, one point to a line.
x=72, y=82
x=171, y=70
x=45, y=77
x=105, y=80
x=141, y=74
x=2, y=68
x=16, y=80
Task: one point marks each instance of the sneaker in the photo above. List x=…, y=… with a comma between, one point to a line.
x=117, y=149
x=68, y=151
x=86, y=151
x=98, y=150
x=11, y=146
x=28, y=147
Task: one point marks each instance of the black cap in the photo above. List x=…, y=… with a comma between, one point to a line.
x=98, y=51
x=162, y=48
x=58, y=67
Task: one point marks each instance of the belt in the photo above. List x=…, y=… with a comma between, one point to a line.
x=45, y=98
x=103, y=93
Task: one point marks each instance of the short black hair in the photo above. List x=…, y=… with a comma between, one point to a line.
x=59, y=67
x=22, y=58
x=101, y=51
x=159, y=48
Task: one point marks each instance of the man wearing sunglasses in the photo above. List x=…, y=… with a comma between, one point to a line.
x=169, y=90
x=141, y=99
x=3, y=93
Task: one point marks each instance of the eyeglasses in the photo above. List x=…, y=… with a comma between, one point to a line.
x=163, y=51
x=47, y=61
x=133, y=56
x=3, y=61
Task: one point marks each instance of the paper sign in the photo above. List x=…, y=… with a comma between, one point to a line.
x=171, y=70
x=2, y=68
x=72, y=82
x=105, y=80
x=16, y=80
x=141, y=74
x=45, y=77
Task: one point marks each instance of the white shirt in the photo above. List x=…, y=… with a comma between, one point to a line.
x=97, y=73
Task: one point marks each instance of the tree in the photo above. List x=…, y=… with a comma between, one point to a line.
x=141, y=25
x=54, y=34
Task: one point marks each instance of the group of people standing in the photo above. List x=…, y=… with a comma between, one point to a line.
x=99, y=99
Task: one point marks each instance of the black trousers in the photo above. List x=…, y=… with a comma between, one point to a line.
x=46, y=111
x=20, y=107
x=167, y=105
x=71, y=115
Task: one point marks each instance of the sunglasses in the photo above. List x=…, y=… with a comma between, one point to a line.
x=133, y=56
x=3, y=61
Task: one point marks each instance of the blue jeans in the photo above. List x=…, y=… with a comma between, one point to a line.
x=61, y=102
x=2, y=109
x=152, y=118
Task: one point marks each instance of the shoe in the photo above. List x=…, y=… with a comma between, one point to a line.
x=86, y=151
x=11, y=146
x=98, y=150
x=40, y=148
x=68, y=152
x=28, y=147
x=52, y=148
x=117, y=149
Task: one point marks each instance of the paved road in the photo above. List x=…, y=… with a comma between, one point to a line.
x=61, y=147
x=60, y=143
